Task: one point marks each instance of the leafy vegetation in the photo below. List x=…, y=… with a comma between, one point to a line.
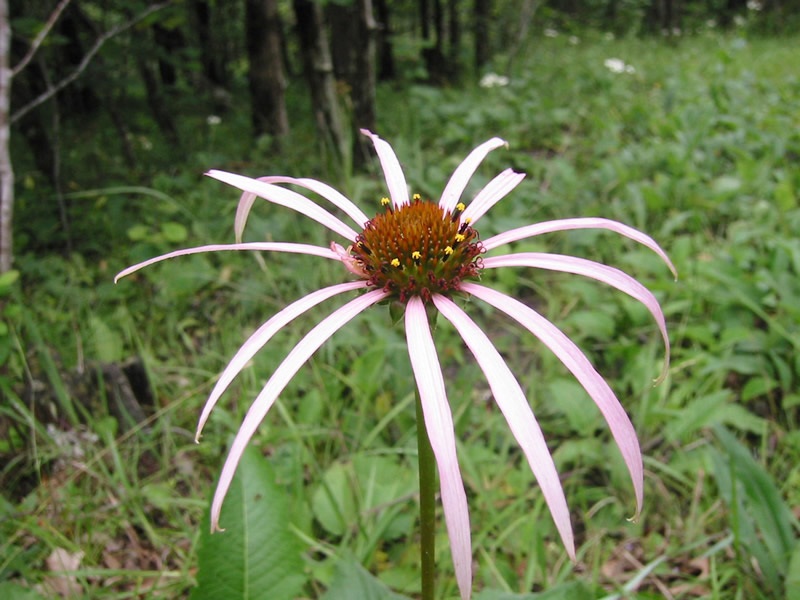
x=697, y=145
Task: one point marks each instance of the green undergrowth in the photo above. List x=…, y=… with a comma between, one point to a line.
x=698, y=146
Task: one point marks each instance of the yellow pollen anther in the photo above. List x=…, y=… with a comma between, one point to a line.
x=416, y=197
x=448, y=251
x=460, y=237
x=385, y=201
x=416, y=255
x=395, y=262
x=467, y=220
x=460, y=207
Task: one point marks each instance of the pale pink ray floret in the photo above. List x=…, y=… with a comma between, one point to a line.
x=447, y=260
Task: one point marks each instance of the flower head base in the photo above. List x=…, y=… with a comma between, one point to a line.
x=418, y=249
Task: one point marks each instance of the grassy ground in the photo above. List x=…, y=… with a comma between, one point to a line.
x=698, y=146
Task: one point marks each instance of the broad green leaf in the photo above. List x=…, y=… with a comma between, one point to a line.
x=7, y=279
x=107, y=342
x=353, y=582
x=12, y=591
x=174, y=232
x=574, y=590
x=361, y=486
x=257, y=557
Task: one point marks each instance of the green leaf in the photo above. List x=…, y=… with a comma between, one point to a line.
x=761, y=521
x=352, y=581
x=792, y=583
x=12, y=591
x=574, y=590
x=107, y=342
x=174, y=232
x=8, y=279
x=257, y=556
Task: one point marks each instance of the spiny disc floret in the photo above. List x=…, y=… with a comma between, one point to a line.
x=418, y=249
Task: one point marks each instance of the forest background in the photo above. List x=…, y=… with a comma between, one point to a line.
x=679, y=118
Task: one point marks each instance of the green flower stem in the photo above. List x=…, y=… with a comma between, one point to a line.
x=427, y=505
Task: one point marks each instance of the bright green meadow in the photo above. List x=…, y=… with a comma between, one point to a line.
x=699, y=147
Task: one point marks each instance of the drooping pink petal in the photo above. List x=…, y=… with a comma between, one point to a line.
x=569, y=354
x=323, y=189
x=464, y=172
x=515, y=408
x=580, y=266
x=290, y=247
x=280, y=378
x=281, y=196
x=494, y=191
x=439, y=426
x=262, y=335
x=527, y=231
x=349, y=261
x=392, y=171
x=246, y=202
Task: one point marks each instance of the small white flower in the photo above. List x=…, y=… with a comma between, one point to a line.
x=213, y=120
x=608, y=36
x=754, y=5
x=711, y=23
x=739, y=20
x=615, y=65
x=551, y=33
x=574, y=40
x=491, y=80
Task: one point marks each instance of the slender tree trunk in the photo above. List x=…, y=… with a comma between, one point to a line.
x=481, y=29
x=211, y=56
x=319, y=72
x=159, y=107
x=424, y=19
x=266, y=77
x=362, y=86
x=6, y=169
x=454, y=30
x=386, y=70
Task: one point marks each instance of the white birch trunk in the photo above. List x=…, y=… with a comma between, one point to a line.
x=6, y=169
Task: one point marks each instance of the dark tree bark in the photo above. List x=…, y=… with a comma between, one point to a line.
x=169, y=42
x=424, y=19
x=343, y=22
x=440, y=70
x=362, y=86
x=318, y=68
x=481, y=31
x=156, y=101
x=266, y=77
x=211, y=56
x=454, y=33
x=386, y=68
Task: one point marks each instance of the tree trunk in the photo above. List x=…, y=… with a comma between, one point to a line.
x=362, y=86
x=266, y=77
x=6, y=169
x=454, y=34
x=159, y=107
x=386, y=69
x=319, y=72
x=212, y=59
x=424, y=16
x=481, y=28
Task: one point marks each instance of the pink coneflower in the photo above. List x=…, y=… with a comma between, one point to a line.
x=419, y=255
